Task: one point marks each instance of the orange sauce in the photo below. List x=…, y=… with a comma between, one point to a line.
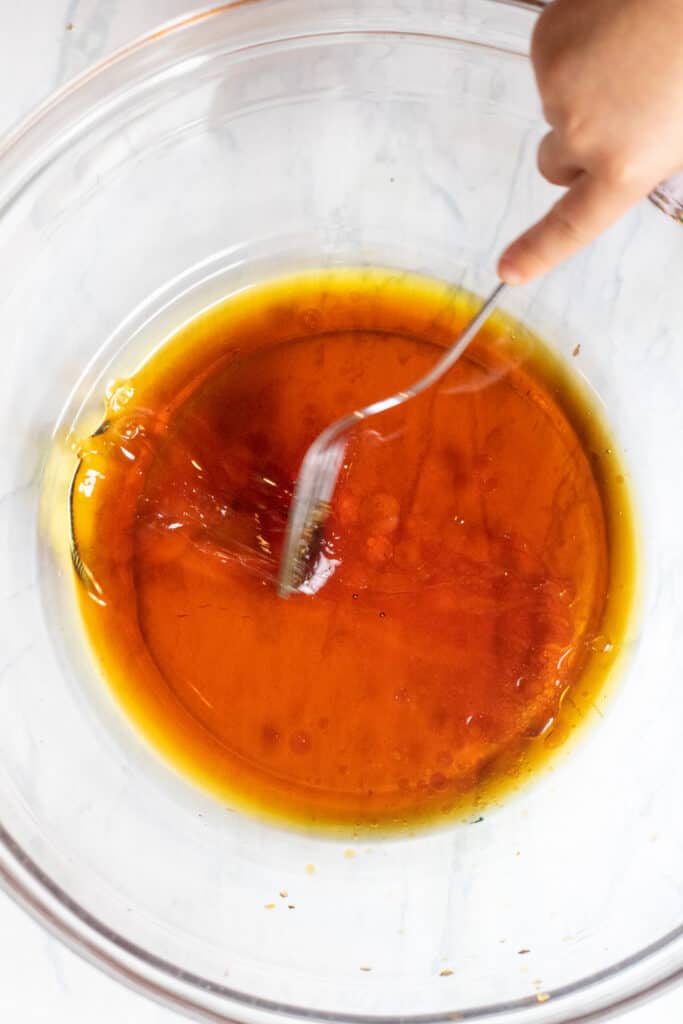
x=478, y=562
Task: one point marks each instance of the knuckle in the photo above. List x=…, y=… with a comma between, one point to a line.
x=543, y=163
x=557, y=175
x=547, y=159
x=577, y=131
x=548, y=169
x=566, y=226
x=573, y=126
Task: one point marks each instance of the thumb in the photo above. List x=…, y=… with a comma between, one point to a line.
x=586, y=209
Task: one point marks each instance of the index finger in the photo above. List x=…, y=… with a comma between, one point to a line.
x=587, y=209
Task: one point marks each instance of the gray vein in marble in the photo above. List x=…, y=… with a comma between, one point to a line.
x=528, y=138
x=7, y=667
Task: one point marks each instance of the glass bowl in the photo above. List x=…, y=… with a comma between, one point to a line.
x=233, y=145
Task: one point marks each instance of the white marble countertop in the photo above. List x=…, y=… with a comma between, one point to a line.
x=43, y=43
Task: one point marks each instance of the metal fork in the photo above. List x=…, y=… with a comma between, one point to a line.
x=322, y=462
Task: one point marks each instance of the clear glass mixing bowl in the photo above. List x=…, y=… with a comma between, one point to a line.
x=243, y=142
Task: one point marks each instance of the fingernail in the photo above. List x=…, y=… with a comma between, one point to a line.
x=509, y=273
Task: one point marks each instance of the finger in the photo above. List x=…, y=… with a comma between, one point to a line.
x=586, y=209
x=554, y=163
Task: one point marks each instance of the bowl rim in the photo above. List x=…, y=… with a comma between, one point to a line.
x=645, y=973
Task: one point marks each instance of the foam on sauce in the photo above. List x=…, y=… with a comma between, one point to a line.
x=477, y=570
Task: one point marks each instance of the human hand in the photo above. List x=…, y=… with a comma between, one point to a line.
x=610, y=76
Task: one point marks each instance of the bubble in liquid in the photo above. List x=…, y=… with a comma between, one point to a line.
x=300, y=743
x=600, y=644
x=119, y=394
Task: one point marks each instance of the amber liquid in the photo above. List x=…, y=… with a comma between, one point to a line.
x=475, y=577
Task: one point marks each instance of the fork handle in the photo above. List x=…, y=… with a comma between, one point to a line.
x=452, y=354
